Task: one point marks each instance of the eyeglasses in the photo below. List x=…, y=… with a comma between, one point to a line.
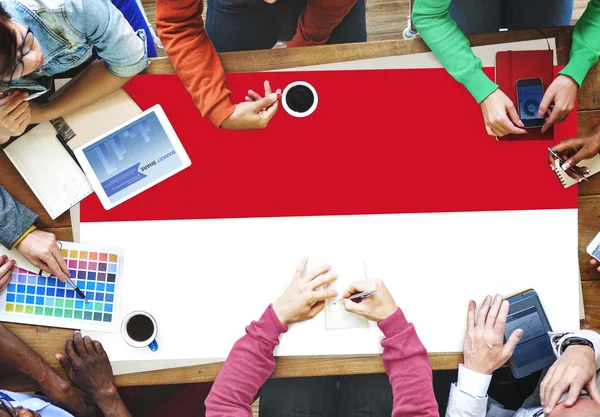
x=9, y=407
x=26, y=47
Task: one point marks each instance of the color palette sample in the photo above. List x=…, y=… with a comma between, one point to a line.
x=35, y=299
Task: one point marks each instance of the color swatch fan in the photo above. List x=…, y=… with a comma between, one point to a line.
x=97, y=271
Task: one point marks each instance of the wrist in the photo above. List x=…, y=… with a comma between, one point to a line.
x=39, y=113
x=105, y=395
x=281, y=316
x=388, y=312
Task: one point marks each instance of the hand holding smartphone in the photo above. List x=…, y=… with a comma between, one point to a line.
x=530, y=92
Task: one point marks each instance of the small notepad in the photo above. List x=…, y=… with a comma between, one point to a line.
x=592, y=164
x=49, y=170
x=336, y=316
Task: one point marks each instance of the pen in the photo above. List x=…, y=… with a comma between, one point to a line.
x=360, y=295
x=576, y=170
x=72, y=284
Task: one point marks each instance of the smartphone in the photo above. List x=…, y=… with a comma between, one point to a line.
x=594, y=248
x=529, y=94
x=534, y=351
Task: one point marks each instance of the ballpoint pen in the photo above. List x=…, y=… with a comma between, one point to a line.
x=574, y=169
x=361, y=295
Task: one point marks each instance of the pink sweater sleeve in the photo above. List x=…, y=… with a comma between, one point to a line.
x=246, y=369
x=407, y=365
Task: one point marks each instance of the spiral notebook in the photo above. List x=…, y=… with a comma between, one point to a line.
x=593, y=165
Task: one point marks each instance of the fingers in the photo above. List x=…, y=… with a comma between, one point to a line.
x=89, y=345
x=502, y=315
x=79, y=345
x=270, y=111
x=510, y=128
x=471, y=316
x=70, y=350
x=514, y=116
x=483, y=311
x=356, y=287
x=62, y=265
x=253, y=96
x=316, y=309
x=555, y=390
x=512, y=343
x=265, y=102
x=301, y=268
x=6, y=269
x=569, y=144
x=53, y=266
x=5, y=280
x=351, y=306
x=64, y=362
x=322, y=280
x=12, y=102
x=316, y=272
x=592, y=390
x=545, y=103
x=574, y=392
x=490, y=320
x=267, y=87
x=99, y=348
x=325, y=295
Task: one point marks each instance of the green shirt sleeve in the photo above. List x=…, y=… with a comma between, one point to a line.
x=585, y=48
x=449, y=44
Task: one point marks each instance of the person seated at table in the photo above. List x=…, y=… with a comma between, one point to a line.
x=441, y=24
x=251, y=361
x=17, y=231
x=559, y=393
x=90, y=381
x=42, y=38
x=241, y=25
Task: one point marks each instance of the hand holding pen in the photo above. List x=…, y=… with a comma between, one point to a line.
x=376, y=301
x=579, y=149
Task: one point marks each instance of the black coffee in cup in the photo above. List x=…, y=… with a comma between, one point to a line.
x=140, y=328
x=300, y=98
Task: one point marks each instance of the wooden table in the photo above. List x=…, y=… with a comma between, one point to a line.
x=48, y=341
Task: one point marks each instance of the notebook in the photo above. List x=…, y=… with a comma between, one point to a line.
x=515, y=65
x=593, y=165
x=336, y=316
x=49, y=170
x=44, y=158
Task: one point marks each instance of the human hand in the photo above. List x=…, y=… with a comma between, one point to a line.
x=15, y=114
x=254, y=114
x=300, y=301
x=6, y=269
x=38, y=112
x=484, y=350
x=87, y=366
x=254, y=96
x=577, y=150
x=376, y=307
x=558, y=101
x=500, y=116
x=573, y=371
x=41, y=250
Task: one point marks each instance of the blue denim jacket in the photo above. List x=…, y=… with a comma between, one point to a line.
x=68, y=31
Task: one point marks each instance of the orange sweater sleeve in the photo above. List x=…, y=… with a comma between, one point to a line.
x=181, y=30
x=318, y=20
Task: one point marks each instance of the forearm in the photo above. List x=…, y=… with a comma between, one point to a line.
x=15, y=219
x=95, y=83
x=194, y=57
x=15, y=355
x=110, y=404
x=451, y=47
x=246, y=369
x=585, y=47
x=317, y=21
x=407, y=365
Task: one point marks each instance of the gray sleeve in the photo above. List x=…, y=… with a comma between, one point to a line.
x=461, y=404
x=15, y=219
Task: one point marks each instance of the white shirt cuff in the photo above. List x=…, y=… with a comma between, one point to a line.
x=473, y=383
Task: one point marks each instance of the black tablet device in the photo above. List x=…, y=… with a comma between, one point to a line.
x=534, y=351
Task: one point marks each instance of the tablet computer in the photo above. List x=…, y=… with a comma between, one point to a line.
x=534, y=351
x=132, y=157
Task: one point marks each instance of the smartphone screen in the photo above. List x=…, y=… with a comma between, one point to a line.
x=530, y=97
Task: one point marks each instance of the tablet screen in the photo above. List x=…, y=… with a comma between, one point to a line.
x=535, y=343
x=132, y=157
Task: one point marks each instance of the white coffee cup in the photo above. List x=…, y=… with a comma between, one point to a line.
x=139, y=329
x=299, y=99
